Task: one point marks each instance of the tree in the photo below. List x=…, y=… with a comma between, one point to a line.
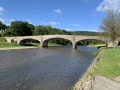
x=18, y=28
x=40, y=30
x=111, y=26
x=2, y=26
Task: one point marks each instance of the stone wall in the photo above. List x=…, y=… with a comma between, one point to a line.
x=86, y=81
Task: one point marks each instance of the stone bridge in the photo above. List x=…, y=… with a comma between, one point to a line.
x=44, y=39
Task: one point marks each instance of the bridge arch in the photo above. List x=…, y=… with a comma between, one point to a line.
x=46, y=41
x=9, y=40
x=28, y=42
x=93, y=40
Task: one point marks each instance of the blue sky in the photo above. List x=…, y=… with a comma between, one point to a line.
x=71, y=15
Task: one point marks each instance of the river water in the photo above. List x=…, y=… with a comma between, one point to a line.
x=52, y=68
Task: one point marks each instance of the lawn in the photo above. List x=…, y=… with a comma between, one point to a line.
x=110, y=65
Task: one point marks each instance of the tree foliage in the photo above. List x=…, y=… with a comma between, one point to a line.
x=2, y=26
x=111, y=26
x=19, y=28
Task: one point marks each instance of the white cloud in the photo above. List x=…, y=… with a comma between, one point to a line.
x=2, y=20
x=109, y=4
x=8, y=24
x=53, y=23
x=50, y=23
x=68, y=29
x=58, y=11
x=1, y=10
x=30, y=22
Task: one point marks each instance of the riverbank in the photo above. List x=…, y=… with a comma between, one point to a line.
x=107, y=71
x=86, y=80
x=109, y=63
x=26, y=47
x=106, y=65
x=12, y=48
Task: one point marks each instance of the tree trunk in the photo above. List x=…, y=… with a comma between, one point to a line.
x=115, y=45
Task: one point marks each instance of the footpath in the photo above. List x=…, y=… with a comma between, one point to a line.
x=102, y=83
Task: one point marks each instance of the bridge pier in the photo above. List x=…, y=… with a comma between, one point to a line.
x=74, y=45
x=44, y=44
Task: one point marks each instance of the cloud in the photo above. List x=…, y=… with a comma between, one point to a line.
x=58, y=11
x=53, y=23
x=2, y=20
x=8, y=24
x=50, y=23
x=68, y=29
x=30, y=22
x=108, y=4
x=1, y=10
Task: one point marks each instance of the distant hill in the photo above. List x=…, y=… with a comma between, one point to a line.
x=87, y=33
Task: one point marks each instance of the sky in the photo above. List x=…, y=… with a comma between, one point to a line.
x=70, y=15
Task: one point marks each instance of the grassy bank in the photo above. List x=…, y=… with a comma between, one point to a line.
x=109, y=63
x=52, y=44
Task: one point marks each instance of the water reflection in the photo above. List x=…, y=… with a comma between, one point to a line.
x=53, y=68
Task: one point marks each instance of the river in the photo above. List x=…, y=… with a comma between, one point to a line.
x=52, y=68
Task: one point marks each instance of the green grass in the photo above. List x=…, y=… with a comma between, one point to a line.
x=49, y=44
x=33, y=44
x=110, y=66
x=52, y=44
x=4, y=44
